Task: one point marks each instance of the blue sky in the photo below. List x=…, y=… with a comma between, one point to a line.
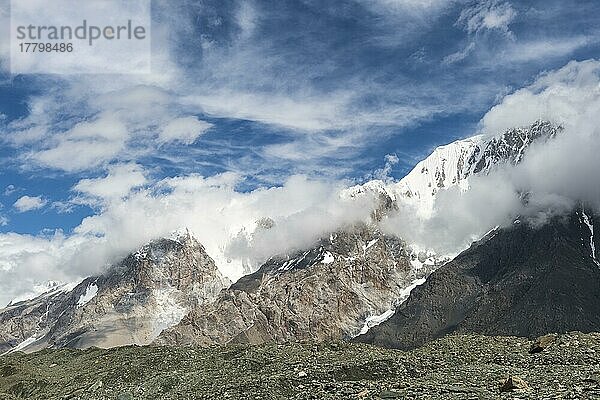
x=272, y=89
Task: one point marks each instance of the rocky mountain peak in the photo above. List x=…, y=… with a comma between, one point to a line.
x=132, y=302
x=349, y=279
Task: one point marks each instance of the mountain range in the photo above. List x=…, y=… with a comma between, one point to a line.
x=357, y=282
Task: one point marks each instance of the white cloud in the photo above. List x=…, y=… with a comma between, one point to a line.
x=459, y=55
x=309, y=113
x=561, y=96
x=305, y=209
x=543, y=49
x=86, y=145
x=487, y=15
x=247, y=18
x=27, y=203
x=3, y=220
x=119, y=182
x=383, y=174
x=10, y=189
x=482, y=17
x=423, y=7
x=185, y=130
x=4, y=36
x=245, y=79
x=210, y=207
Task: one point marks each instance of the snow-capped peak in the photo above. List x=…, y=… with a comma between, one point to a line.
x=453, y=164
x=447, y=166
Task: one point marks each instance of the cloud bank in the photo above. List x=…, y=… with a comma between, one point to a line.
x=130, y=213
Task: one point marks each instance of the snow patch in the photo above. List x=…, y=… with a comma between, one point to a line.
x=447, y=166
x=375, y=320
x=27, y=342
x=45, y=289
x=406, y=292
x=169, y=312
x=328, y=258
x=290, y=264
x=179, y=235
x=90, y=292
x=369, y=245
x=423, y=258
x=590, y=225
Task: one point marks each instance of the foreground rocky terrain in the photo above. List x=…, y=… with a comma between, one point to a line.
x=455, y=367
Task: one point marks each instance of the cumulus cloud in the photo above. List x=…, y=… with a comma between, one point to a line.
x=185, y=130
x=566, y=97
x=27, y=203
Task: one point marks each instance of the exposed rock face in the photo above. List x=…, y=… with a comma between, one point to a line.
x=131, y=303
x=339, y=288
x=517, y=281
x=320, y=293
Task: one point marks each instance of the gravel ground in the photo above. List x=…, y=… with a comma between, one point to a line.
x=454, y=367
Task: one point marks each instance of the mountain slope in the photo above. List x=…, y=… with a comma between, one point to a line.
x=131, y=303
x=325, y=292
x=520, y=281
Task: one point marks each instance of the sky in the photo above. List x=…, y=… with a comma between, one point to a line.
x=260, y=108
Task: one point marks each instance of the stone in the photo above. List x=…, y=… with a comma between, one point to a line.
x=468, y=368
x=542, y=343
x=513, y=383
